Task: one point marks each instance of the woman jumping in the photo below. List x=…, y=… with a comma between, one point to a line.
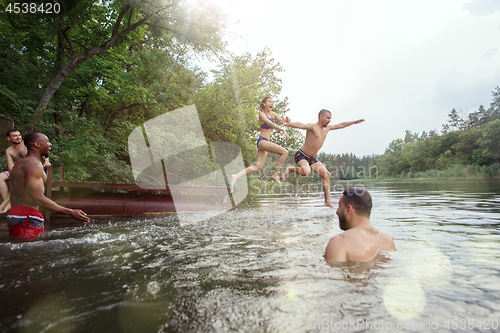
x=266, y=121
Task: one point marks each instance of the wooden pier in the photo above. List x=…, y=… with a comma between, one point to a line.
x=127, y=199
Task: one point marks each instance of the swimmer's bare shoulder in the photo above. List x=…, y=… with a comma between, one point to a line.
x=387, y=241
x=358, y=245
x=336, y=250
x=377, y=239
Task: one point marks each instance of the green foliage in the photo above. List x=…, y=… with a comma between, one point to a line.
x=467, y=147
x=472, y=140
x=88, y=155
x=227, y=105
x=296, y=137
x=100, y=101
x=349, y=166
x=491, y=142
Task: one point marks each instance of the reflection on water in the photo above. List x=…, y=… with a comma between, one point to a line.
x=261, y=268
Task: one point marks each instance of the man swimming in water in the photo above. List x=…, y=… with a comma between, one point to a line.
x=305, y=157
x=27, y=191
x=360, y=241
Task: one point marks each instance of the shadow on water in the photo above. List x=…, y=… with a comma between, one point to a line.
x=260, y=268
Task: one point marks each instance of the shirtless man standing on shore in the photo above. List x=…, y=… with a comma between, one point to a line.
x=360, y=241
x=305, y=157
x=27, y=191
x=16, y=151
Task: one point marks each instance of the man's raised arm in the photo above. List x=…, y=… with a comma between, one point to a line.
x=345, y=124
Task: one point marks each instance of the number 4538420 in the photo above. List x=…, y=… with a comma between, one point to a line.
x=33, y=8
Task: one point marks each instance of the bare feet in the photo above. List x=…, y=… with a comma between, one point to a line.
x=5, y=205
x=6, y=208
x=277, y=179
x=233, y=180
x=328, y=204
x=286, y=173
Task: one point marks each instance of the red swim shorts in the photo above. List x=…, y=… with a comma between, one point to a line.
x=24, y=221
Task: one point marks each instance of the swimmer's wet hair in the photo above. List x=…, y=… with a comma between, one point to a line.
x=322, y=112
x=360, y=199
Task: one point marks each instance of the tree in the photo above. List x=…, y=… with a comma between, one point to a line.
x=494, y=109
x=410, y=137
x=107, y=66
x=83, y=30
x=474, y=139
x=454, y=120
x=395, y=147
x=491, y=142
x=467, y=144
x=387, y=162
x=227, y=105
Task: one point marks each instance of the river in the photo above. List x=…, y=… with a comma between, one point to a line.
x=260, y=268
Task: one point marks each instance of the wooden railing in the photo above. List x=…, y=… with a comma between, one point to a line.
x=61, y=183
x=92, y=185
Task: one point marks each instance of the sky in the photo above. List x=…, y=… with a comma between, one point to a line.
x=400, y=65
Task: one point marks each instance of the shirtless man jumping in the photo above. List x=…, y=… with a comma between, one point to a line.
x=27, y=191
x=360, y=241
x=305, y=157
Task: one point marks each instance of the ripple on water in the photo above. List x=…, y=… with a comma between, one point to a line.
x=262, y=268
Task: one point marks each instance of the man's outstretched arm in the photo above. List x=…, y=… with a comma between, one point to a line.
x=345, y=124
x=296, y=124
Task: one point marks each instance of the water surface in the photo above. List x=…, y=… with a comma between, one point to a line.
x=260, y=268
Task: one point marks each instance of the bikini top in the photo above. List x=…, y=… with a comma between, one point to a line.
x=266, y=126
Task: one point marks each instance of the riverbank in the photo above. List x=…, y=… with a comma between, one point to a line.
x=455, y=172
x=259, y=184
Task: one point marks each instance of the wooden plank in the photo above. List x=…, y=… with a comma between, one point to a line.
x=136, y=187
x=128, y=186
x=96, y=185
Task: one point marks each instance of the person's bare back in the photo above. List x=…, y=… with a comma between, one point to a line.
x=358, y=244
x=360, y=241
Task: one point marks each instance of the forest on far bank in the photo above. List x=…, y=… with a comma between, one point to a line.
x=468, y=146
